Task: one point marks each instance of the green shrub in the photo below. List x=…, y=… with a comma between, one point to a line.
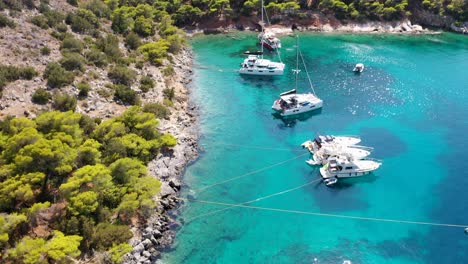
x=57, y=76
x=110, y=46
x=155, y=52
x=122, y=75
x=82, y=21
x=27, y=73
x=158, y=109
x=6, y=22
x=54, y=18
x=106, y=235
x=40, y=21
x=143, y=26
x=168, y=71
x=72, y=61
x=61, y=28
x=126, y=95
x=64, y=102
x=99, y=8
x=84, y=89
x=169, y=93
x=146, y=83
x=71, y=44
x=12, y=73
x=96, y=57
x=168, y=103
x=132, y=40
x=45, y=51
x=41, y=96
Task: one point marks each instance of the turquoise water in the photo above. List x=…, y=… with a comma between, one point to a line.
x=410, y=104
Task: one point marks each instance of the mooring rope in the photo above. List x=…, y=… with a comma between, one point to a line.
x=251, y=173
x=251, y=147
x=244, y=203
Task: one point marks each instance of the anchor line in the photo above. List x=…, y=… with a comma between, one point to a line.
x=230, y=206
x=251, y=147
x=252, y=172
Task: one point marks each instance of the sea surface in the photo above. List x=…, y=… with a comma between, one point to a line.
x=410, y=104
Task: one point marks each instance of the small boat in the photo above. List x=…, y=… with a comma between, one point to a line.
x=316, y=144
x=343, y=167
x=330, y=181
x=292, y=103
x=358, y=68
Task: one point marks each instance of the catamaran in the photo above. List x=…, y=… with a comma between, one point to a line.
x=255, y=64
x=292, y=103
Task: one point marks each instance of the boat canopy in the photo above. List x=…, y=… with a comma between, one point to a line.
x=293, y=91
x=253, y=52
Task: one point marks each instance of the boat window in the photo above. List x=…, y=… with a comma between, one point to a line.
x=349, y=168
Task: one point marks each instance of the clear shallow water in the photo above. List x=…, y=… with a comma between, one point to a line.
x=410, y=104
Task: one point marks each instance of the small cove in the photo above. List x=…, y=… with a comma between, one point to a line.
x=408, y=104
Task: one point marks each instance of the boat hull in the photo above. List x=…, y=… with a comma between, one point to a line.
x=261, y=72
x=327, y=174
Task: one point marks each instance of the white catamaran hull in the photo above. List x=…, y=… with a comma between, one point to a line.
x=297, y=110
x=264, y=72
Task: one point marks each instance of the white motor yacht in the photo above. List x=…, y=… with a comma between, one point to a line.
x=343, y=167
x=358, y=68
x=316, y=144
x=321, y=156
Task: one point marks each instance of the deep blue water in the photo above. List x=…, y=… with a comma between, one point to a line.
x=410, y=104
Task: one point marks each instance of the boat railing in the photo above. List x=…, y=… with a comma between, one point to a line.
x=373, y=159
x=361, y=147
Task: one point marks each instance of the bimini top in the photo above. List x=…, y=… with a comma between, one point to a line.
x=253, y=52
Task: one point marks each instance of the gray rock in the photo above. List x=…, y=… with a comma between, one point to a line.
x=147, y=243
x=166, y=190
x=139, y=248
x=146, y=254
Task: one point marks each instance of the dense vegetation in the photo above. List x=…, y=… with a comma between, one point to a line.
x=70, y=185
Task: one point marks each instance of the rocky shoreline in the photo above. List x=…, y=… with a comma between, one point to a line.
x=158, y=232
x=323, y=25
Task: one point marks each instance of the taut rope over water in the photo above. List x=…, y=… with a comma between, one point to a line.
x=252, y=172
x=244, y=203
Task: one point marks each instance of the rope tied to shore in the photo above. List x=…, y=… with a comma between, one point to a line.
x=251, y=173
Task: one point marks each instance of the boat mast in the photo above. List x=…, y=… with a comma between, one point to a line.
x=263, y=31
x=297, y=59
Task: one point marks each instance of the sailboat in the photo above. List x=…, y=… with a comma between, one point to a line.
x=255, y=64
x=268, y=39
x=292, y=103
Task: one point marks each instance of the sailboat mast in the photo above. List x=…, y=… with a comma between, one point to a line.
x=263, y=32
x=297, y=59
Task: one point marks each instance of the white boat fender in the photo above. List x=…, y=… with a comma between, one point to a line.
x=466, y=231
